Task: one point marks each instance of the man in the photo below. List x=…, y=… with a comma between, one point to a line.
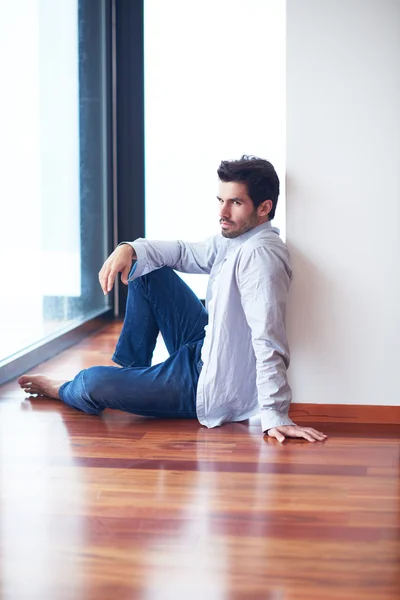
x=227, y=362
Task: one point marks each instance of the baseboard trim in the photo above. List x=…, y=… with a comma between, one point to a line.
x=344, y=413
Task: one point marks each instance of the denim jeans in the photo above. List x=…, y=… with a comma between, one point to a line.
x=157, y=302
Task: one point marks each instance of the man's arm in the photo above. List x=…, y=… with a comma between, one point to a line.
x=147, y=256
x=264, y=280
x=187, y=257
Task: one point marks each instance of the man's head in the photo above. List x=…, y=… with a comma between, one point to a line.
x=248, y=194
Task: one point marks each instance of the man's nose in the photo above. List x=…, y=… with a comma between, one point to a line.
x=224, y=211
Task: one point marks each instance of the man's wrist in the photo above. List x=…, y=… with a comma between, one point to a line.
x=134, y=256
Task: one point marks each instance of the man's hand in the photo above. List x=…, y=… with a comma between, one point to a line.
x=120, y=261
x=294, y=431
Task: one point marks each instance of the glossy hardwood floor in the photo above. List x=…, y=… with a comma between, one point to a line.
x=121, y=507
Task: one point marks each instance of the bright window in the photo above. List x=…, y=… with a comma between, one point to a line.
x=53, y=168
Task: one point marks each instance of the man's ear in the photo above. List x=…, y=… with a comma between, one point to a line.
x=265, y=208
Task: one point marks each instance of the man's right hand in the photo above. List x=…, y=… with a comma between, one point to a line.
x=120, y=261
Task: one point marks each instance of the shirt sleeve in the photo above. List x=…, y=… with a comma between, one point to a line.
x=186, y=257
x=264, y=279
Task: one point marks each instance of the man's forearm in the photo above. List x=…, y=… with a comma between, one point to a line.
x=186, y=257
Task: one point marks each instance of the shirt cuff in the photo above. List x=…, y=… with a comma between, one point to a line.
x=273, y=418
x=138, y=265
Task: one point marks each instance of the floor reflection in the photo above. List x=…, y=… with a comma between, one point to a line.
x=37, y=482
x=142, y=508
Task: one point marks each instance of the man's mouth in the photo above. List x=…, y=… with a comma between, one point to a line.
x=225, y=223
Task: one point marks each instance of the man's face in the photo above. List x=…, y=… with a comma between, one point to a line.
x=237, y=212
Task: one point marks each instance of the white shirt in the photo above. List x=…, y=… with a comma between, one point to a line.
x=245, y=352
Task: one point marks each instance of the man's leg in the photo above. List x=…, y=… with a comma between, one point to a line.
x=166, y=390
x=158, y=302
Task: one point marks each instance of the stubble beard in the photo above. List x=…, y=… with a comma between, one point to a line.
x=244, y=228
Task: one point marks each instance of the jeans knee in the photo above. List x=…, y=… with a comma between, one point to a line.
x=97, y=388
x=164, y=273
x=95, y=382
x=104, y=388
x=154, y=279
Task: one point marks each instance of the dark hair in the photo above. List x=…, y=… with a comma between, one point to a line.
x=259, y=176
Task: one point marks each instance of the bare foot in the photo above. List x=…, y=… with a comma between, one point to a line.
x=41, y=385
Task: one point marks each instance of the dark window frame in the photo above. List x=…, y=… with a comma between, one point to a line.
x=130, y=126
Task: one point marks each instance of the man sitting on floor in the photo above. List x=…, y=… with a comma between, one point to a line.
x=227, y=361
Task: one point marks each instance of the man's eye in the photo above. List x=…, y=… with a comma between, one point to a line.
x=236, y=202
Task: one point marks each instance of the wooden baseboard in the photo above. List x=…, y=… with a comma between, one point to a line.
x=344, y=413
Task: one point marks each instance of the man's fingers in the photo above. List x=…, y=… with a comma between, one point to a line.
x=103, y=278
x=308, y=433
x=320, y=437
x=303, y=433
x=106, y=279
x=316, y=432
x=316, y=435
x=124, y=275
x=103, y=286
x=110, y=281
x=274, y=432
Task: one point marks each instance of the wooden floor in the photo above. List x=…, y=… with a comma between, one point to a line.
x=121, y=507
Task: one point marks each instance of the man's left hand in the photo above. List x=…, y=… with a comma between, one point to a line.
x=294, y=431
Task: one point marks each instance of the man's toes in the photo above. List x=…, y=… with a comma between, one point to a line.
x=31, y=389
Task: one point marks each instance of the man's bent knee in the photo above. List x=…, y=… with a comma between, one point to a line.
x=164, y=276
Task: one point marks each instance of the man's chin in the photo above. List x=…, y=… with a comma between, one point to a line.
x=238, y=230
x=234, y=233
x=228, y=233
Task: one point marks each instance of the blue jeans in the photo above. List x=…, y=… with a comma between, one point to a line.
x=157, y=302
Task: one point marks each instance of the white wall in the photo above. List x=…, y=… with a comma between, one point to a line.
x=343, y=199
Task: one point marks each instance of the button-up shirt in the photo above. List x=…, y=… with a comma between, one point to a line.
x=245, y=352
